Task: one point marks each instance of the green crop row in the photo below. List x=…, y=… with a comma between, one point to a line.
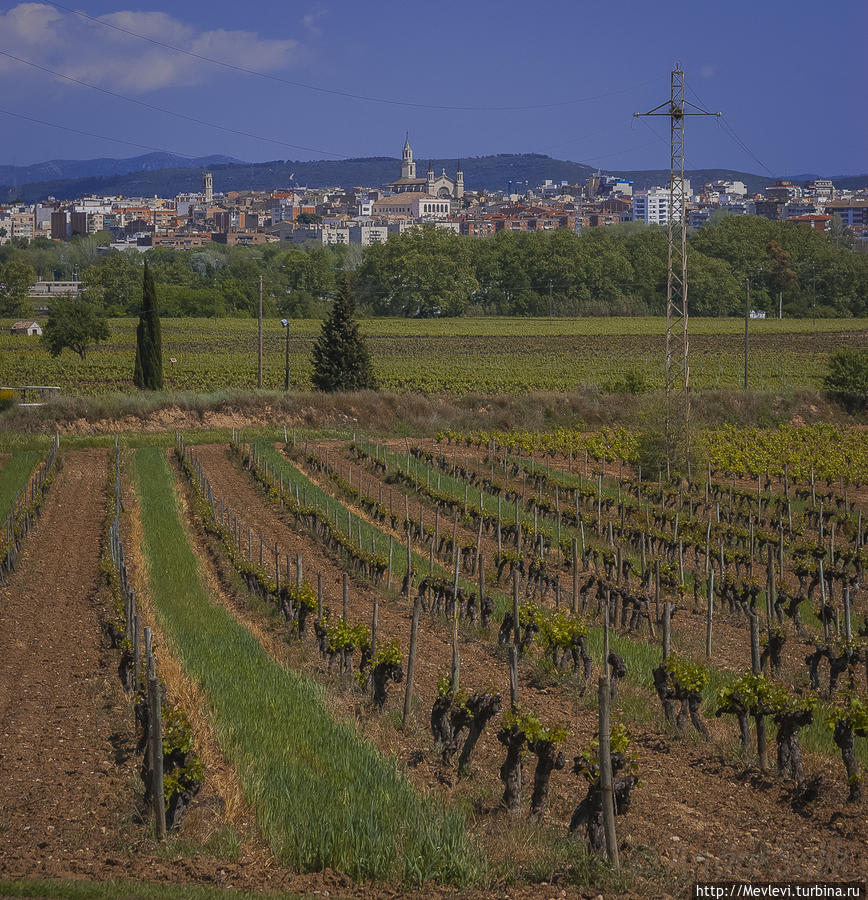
x=324, y=797
x=14, y=475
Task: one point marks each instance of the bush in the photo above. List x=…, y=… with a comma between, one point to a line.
x=633, y=382
x=847, y=381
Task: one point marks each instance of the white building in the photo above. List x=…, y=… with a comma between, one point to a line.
x=651, y=207
x=728, y=188
x=413, y=204
x=441, y=186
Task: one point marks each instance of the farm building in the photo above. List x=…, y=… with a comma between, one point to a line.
x=25, y=327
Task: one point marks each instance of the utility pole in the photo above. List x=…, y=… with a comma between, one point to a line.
x=259, y=375
x=677, y=415
x=285, y=324
x=746, y=319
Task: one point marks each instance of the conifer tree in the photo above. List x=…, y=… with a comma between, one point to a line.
x=148, y=374
x=340, y=357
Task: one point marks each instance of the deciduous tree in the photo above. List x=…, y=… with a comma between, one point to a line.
x=74, y=323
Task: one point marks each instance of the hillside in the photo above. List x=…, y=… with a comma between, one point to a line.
x=167, y=175
x=61, y=169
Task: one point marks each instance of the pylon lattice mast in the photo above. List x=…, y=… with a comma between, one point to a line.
x=677, y=362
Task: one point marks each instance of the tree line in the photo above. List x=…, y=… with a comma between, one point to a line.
x=428, y=271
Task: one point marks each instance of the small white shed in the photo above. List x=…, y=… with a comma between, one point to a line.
x=24, y=327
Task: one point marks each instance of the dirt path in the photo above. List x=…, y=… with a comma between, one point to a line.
x=697, y=808
x=65, y=732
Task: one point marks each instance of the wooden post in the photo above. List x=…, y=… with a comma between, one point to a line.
x=667, y=629
x=710, y=618
x=409, y=563
x=515, y=627
x=375, y=621
x=319, y=595
x=606, y=774
x=822, y=576
x=389, y=569
x=345, y=585
x=754, y=643
x=155, y=741
x=848, y=630
x=298, y=570
x=480, y=571
x=276, y=567
x=770, y=587
x=606, y=637
x=708, y=548
x=575, y=575
x=600, y=502
x=411, y=659
x=456, y=656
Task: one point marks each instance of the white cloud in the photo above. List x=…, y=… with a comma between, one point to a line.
x=310, y=21
x=111, y=58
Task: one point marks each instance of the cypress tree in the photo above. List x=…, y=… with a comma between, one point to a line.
x=340, y=357
x=148, y=374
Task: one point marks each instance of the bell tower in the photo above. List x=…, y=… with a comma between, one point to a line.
x=459, y=182
x=408, y=167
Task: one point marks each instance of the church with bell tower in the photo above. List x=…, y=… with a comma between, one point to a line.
x=440, y=186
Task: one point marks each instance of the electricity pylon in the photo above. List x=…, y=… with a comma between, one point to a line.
x=677, y=414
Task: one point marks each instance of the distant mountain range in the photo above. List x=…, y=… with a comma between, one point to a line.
x=165, y=174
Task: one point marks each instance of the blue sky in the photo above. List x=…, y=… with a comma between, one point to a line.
x=789, y=78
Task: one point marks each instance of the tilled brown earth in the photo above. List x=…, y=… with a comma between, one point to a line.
x=697, y=808
x=65, y=731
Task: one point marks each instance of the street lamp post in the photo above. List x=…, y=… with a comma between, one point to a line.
x=285, y=324
x=746, y=320
x=259, y=341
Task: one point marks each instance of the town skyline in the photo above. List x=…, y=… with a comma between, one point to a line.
x=332, y=81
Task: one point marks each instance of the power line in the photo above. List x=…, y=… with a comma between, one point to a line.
x=168, y=112
x=723, y=120
x=347, y=94
x=620, y=152
x=92, y=134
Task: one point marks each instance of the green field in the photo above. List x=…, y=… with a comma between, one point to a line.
x=452, y=356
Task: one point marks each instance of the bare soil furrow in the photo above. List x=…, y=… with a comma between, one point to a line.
x=66, y=732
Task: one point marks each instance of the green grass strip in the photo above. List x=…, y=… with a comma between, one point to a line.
x=312, y=494
x=14, y=475
x=323, y=796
